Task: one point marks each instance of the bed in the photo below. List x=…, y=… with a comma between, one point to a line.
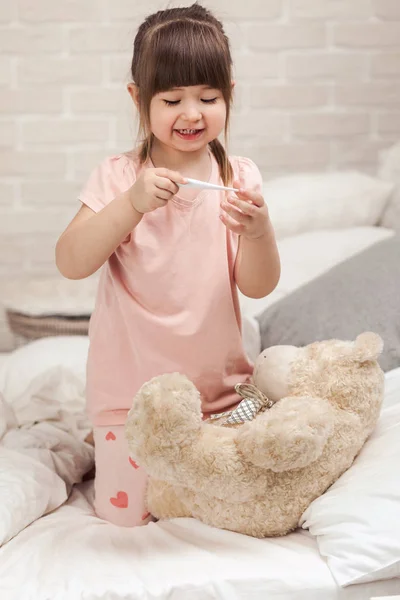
x=57, y=549
x=70, y=554
x=3, y=358
x=65, y=552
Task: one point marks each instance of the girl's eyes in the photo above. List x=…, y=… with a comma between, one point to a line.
x=174, y=102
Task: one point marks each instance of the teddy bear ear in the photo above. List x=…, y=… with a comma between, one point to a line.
x=368, y=346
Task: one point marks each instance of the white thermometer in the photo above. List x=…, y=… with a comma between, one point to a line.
x=195, y=183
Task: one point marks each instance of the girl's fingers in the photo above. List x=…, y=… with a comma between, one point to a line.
x=247, y=208
x=162, y=193
x=238, y=215
x=174, y=176
x=163, y=201
x=231, y=223
x=166, y=184
x=167, y=187
x=254, y=197
x=236, y=184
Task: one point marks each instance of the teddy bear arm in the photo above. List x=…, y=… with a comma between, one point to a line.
x=291, y=435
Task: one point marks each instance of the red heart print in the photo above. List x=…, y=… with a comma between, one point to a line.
x=110, y=436
x=145, y=516
x=134, y=465
x=121, y=500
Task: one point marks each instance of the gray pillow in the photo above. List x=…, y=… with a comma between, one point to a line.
x=360, y=294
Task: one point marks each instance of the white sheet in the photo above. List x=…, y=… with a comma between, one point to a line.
x=3, y=358
x=42, y=448
x=71, y=554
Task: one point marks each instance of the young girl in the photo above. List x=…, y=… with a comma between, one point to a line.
x=167, y=299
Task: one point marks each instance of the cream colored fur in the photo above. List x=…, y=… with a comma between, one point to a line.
x=258, y=478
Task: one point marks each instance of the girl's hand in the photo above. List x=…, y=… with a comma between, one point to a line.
x=154, y=188
x=245, y=213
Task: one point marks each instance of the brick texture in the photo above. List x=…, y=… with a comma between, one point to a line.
x=286, y=37
x=389, y=124
x=318, y=88
x=367, y=35
x=331, y=9
x=43, y=101
x=5, y=72
x=385, y=95
x=333, y=66
x=385, y=64
x=387, y=9
x=53, y=132
x=8, y=134
x=101, y=39
x=39, y=11
x=39, y=40
x=7, y=195
x=288, y=96
x=328, y=125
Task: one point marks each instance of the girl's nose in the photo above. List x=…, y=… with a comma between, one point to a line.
x=192, y=114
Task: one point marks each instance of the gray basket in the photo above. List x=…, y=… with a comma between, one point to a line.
x=26, y=328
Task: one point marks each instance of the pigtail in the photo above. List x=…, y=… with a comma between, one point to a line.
x=145, y=148
x=221, y=156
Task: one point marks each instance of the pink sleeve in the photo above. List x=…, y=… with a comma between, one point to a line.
x=250, y=178
x=249, y=174
x=114, y=175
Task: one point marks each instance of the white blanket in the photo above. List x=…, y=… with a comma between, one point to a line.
x=73, y=555
x=42, y=449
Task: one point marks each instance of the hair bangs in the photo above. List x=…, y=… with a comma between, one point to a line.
x=187, y=54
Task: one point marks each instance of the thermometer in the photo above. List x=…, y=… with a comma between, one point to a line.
x=195, y=183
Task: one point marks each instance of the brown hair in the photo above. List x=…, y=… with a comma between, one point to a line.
x=181, y=47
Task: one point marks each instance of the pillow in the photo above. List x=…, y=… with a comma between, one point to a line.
x=307, y=255
x=251, y=337
x=358, y=295
x=357, y=521
x=389, y=170
x=325, y=201
x=392, y=393
x=23, y=365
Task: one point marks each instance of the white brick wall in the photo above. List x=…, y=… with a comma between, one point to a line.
x=318, y=87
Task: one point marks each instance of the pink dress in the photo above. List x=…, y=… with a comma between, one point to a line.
x=167, y=301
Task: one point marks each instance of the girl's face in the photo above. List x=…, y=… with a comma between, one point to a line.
x=199, y=108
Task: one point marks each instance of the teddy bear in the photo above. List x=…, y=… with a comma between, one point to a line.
x=315, y=408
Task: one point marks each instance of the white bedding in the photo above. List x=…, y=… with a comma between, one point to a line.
x=3, y=358
x=42, y=448
x=71, y=554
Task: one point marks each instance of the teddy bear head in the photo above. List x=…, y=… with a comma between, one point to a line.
x=340, y=371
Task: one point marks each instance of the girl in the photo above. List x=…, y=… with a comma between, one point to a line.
x=167, y=298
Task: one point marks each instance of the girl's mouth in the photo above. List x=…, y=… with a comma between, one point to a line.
x=189, y=134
